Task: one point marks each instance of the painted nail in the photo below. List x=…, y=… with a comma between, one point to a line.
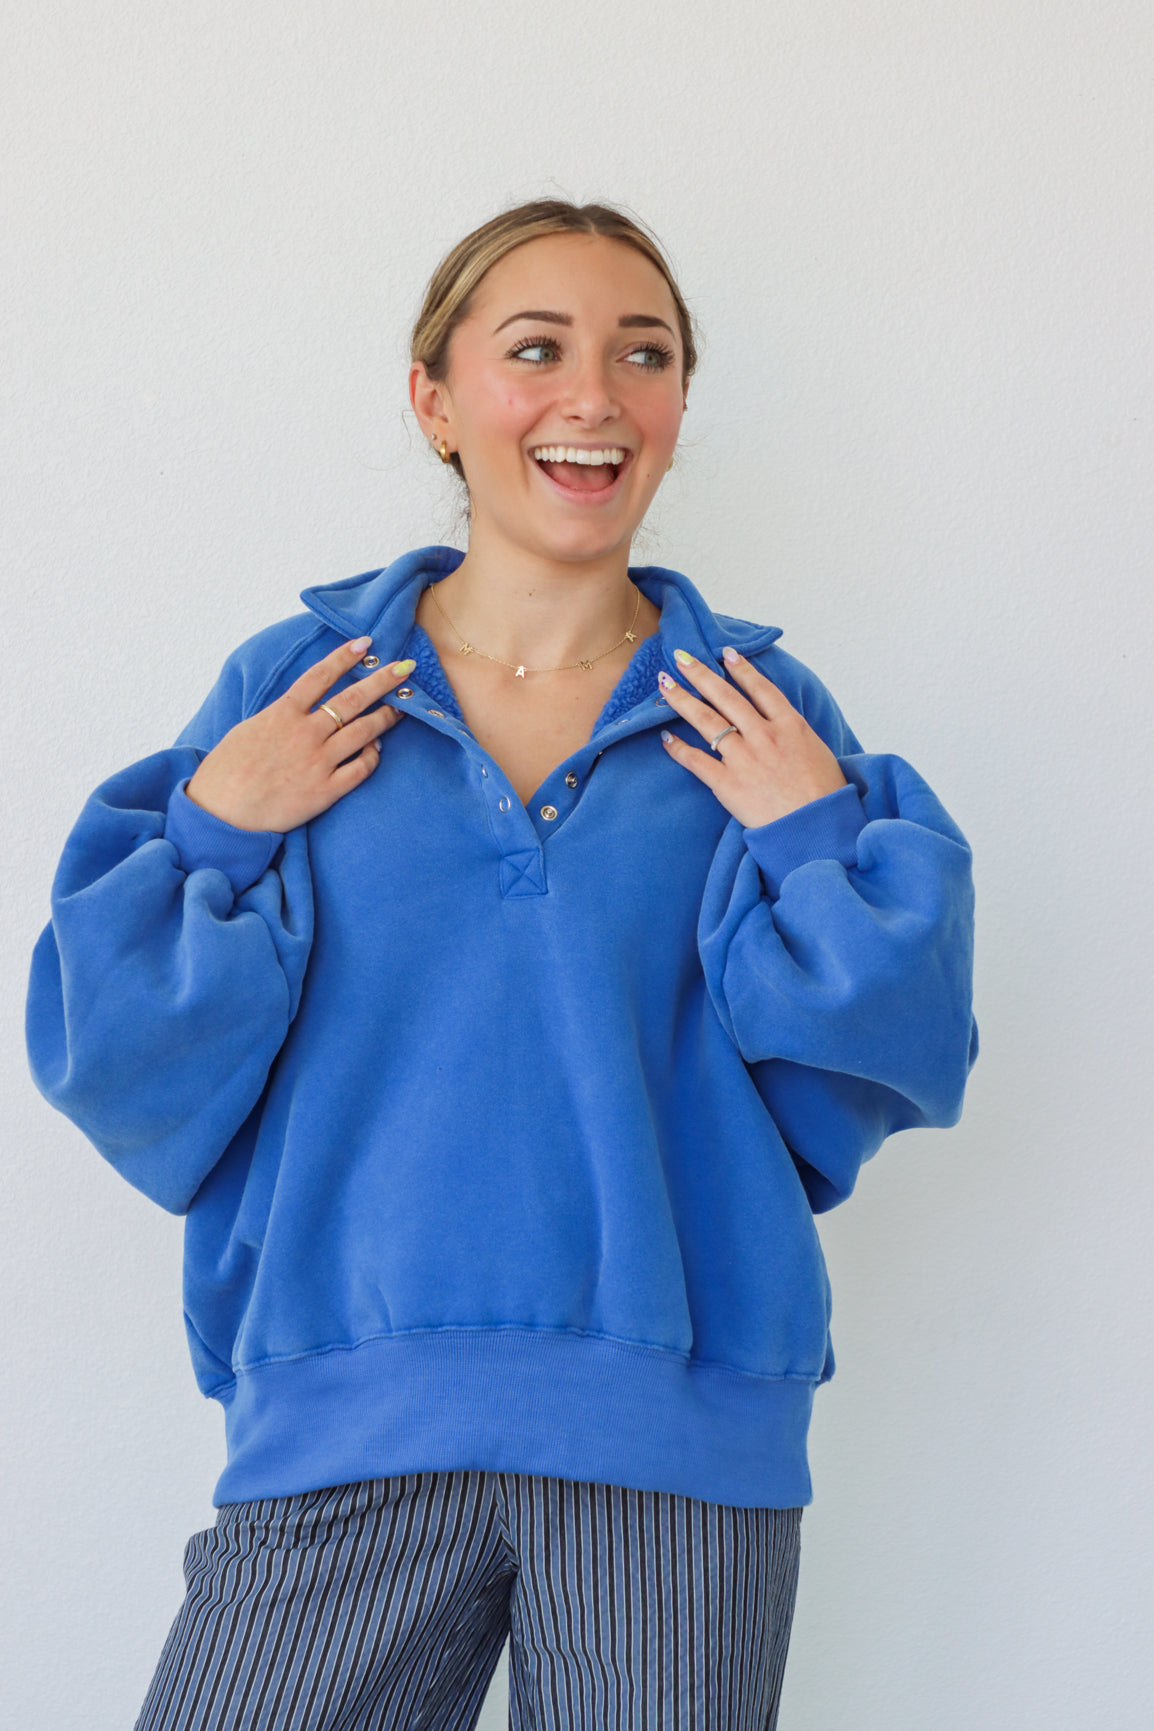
x=400, y=667
x=730, y=654
x=683, y=656
x=666, y=736
x=359, y=645
x=666, y=680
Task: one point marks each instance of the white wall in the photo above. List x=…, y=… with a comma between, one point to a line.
x=917, y=235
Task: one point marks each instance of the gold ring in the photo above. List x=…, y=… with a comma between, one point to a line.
x=334, y=714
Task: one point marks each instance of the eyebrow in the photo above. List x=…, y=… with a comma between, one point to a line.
x=630, y=321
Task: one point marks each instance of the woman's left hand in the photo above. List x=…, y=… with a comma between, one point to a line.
x=774, y=763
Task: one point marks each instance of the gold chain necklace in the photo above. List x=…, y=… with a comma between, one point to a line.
x=471, y=649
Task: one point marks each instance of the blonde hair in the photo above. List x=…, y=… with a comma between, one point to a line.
x=448, y=296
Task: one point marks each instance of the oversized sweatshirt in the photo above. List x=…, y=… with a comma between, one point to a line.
x=498, y=1131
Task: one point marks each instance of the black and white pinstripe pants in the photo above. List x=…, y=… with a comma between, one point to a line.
x=385, y=1605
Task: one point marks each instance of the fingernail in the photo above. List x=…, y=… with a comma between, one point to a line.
x=403, y=666
x=359, y=643
x=730, y=654
x=666, y=735
x=683, y=656
x=665, y=680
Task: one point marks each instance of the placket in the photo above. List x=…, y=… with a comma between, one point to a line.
x=521, y=833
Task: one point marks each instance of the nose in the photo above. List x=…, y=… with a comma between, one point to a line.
x=589, y=397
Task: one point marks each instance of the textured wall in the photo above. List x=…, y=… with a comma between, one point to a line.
x=917, y=236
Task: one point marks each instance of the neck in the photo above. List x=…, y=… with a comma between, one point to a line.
x=519, y=606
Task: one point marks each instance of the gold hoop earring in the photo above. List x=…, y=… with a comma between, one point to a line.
x=445, y=455
x=669, y=465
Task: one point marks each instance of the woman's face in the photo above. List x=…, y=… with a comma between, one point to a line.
x=572, y=344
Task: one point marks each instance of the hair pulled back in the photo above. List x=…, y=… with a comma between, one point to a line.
x=448, y=298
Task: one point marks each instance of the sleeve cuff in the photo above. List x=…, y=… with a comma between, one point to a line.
x=825, y=828
x=203, y=839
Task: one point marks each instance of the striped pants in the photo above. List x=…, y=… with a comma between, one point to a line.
x=385, y=1606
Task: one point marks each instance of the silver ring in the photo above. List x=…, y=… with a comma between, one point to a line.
x=713, y=742
x=333, y=713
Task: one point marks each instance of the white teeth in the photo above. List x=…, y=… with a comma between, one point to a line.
x=571, y=454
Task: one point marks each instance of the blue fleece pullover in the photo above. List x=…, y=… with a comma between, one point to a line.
x=499, y=1131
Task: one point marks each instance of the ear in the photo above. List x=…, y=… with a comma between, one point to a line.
x=430, y=400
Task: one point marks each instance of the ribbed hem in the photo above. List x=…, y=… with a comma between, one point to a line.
x=203, y=839
x=539, y=1401
x=825, y=828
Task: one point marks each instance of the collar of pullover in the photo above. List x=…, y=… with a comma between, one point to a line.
x=383, y=603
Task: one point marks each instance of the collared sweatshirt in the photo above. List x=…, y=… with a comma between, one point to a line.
x=499, y=1130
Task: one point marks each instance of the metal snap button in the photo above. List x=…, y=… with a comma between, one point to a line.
x=439, y=712
x=371, y=661
x=549, y=811
x=571, y=778
x=504, y=802
x=484, y=771
x=661, y=700
x=403, y=691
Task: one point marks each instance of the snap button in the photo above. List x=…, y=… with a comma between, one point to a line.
x=549, y=811
x=404, y=691
x=484, y=771
x=439, y=712
x=661, y=700
x=571, y=778
x=371, y=661
x=503, y=803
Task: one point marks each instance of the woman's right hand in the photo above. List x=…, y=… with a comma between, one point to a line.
x=284, y=765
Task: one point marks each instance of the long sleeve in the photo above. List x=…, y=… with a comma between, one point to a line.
x=164, y=983
x=837, y=944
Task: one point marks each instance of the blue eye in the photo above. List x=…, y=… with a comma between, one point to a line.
x=663, y=357
x=523, y=349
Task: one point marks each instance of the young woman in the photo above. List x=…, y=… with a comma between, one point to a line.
x=504, y=965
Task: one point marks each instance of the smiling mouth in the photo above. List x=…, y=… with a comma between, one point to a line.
x=582, y=470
